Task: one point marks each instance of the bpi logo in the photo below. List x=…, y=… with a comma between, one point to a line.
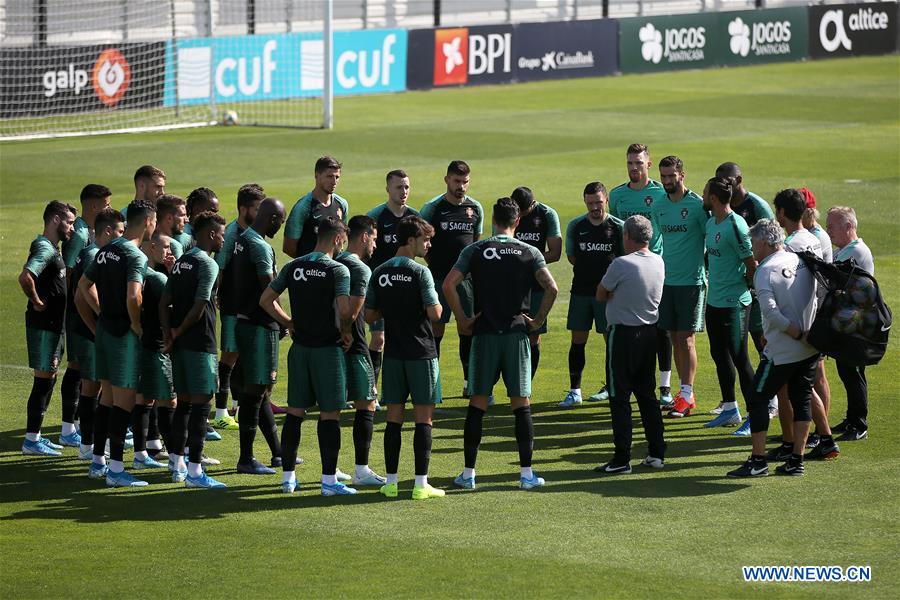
x=767, y=38
x=110, y=78
x=459, y=54
x=684, y=44
x=861, y=20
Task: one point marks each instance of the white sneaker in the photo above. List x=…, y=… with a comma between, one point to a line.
x=652, y=461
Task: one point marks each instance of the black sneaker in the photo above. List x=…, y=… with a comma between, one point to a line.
x=277, y=462
x=751, y=468
x=792, y=468
x=840, y=427
x=614, y=468
x=824, y=451
x=813, y=440
x=254, y=467
x=780, y=453
x=852, y=434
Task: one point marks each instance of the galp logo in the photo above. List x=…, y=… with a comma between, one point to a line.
x=682, y=44
x=459, y=54
x=111, y=76
x=833, y=29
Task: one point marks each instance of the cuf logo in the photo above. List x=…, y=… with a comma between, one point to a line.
x=684, y=213
x=111, y=76
x=836, y=18
x=491, y=254
x=385, y=280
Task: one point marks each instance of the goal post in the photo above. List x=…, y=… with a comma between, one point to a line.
x=83, y=67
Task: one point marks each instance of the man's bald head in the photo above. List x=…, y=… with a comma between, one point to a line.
x=269, y=218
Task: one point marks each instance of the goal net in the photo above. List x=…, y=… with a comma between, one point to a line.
x=78, y=67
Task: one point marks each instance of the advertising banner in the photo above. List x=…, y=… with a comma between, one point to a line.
x=287, y=65
x=564, y=50
x=460, y=56
x=61, y=80
x=852, y=29
x=758, y=36
x=664, y=43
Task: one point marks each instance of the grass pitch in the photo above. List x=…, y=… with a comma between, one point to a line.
x=682, y=532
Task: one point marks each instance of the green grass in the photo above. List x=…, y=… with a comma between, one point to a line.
x=684, y=531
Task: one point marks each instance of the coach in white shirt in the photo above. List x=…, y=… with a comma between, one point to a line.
x=787, y=297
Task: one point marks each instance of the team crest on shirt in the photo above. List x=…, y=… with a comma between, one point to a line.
x=339, y=214
x=648, y=200
x=444, y=225
x=387, y=238
x=582, y=246
x=718, y=236
x=537, y=221
x=787, y=273
x=469, y=213
x=684, y=213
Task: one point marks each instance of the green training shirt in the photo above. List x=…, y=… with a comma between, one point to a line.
x=625, y=202
x=682, y=226
x=728, y=244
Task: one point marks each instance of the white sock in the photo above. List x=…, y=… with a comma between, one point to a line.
x=729, y=405
x=154, y=444
x=100, y=460
x=773, y=402
x=421, y=480
x=392, y=478
x=85, y=448
x=179, y=463
x=665, y=378
x=187, y=453
x=195, y=469
x=116, y=466
x=576, y=391
x=288, y=476
x=362, y=471
x=140, y=455
x=468, y=473
x=329, y=479
x=221, y=413
x=33, y=437
x=527, y=473
x=687, y=390
x=68, y=428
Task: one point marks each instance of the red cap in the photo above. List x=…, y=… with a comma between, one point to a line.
x=809, y=196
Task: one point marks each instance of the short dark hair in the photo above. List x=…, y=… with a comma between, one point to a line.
x=139, y=210
x=524, y=198
x=595, y=187
x=204, y=221
x=327, y=163
x=107, y=217
x=168, y=204
x=721, y=188
x=149, y=172
x=330, y=227
x=55, y=208
x=506, y=211
x=792, y=202
x=94, y=191
x=458, y=167
x=413, y=226
x=200, y=195
x=250, y=194
x=672, y=161
x=637, y=149
x=728, y=170
x=395, y=173
x=361, y=224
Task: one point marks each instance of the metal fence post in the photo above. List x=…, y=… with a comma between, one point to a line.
x=437, y=13
x=251, y=17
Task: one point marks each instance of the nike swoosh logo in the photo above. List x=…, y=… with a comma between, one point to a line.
x=445, y=213
x=387, y=225
x=887, y=328
x=758, y=471
x=583, y=232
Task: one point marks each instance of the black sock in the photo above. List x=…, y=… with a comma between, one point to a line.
x=758, y=457
x=119, y=418
x=41, y=389
x=576, y=365
x=535, y=358
x=179, y=427
x=437, y=344
x=164, y=415
x=224, y=385
x=140, y=423
x=524, y=435
x=70, y=388
x=290, y=441
x=87, y=406
x=472, y=435
x=376, y=362
x=392, y=444
x=422, y=447
x=197, y=431
x=249, y=420
x=465, y=350
x=101, y=428
x=153, y=424
x=796, y=458
x=268, y=427
x=329, y=444
x=363, y=425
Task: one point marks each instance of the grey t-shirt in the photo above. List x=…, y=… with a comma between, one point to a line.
x=636, y=282
x=858, y=251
